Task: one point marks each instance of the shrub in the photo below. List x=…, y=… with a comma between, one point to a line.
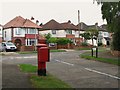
x=116, y=41
x=63, y=41
x=52, y=40
x=84, y=44
x=100, y=44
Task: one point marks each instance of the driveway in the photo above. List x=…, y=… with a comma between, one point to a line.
x=69, y=67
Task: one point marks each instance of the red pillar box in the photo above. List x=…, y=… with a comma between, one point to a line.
x=43, y=57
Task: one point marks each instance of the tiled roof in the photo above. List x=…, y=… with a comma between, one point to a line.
x=82, y=26
x=94, y=27
x=85, y=27
x=52, y=25
x=68, y=26
x=104, y=26
x=1, y=25
x=20, y=22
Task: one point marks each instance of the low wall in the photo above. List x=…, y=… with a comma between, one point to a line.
x=27, y=48
x=115, y=53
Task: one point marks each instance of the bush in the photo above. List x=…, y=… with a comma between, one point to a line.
x=52, y=40
x=84, y=44
x=116, y=41
x=100, y=44
x=63, y=41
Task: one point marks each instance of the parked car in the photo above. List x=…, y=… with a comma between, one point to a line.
x=9, y=46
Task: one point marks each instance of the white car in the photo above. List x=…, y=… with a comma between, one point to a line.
x=9, y=46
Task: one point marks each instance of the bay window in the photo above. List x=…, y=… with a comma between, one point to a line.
x=31, y=42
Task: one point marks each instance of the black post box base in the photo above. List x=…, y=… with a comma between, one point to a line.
x=42, y=72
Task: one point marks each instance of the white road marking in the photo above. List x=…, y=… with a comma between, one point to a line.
x=91, y=70
x=102, y=73
x=24, y=57
x=65, y=62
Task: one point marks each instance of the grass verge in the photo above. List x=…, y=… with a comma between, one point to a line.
x=56, y=50
x=34, y=52
x=28, y=68
x=48, y=81
x=86, y=48
x=106, y=60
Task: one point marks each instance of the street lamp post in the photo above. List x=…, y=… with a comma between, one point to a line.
x=79, y=25
x=97, y=41
x=35, y=34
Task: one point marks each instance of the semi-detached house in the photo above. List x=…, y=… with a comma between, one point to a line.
x=71, y=31
x=103, y=36
x=22, y=32
x=61, y=30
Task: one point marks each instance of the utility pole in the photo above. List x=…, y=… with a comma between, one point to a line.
x=79, y=25
x=97, y=41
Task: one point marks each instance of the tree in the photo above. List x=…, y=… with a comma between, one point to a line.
x=93, y=34
x=47, y=36
x=86, y=36
x=111, y=12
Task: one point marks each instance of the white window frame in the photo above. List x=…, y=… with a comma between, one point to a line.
x=69, y=31
x=29, y=42
x=53, y=31
x=32, y=31
x=18, y=31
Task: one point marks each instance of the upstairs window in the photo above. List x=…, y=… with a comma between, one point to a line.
x=53, y=31
x=32, y=31
x=18, y=31
x=69, y=31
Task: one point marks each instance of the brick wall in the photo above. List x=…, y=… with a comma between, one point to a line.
x=0, y=39
x=116, y=53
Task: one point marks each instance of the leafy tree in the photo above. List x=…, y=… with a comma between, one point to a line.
x=86, y=36
x=111, y=12
x=47, y=36
x=93, y=34
x=52, y=40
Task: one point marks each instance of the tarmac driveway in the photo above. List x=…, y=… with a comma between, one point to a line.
x=69, y=67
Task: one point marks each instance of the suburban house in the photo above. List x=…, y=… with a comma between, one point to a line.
x=61, y=30
x=22, y=32
x=69, y=30
x=1, y=36
x=103, y=36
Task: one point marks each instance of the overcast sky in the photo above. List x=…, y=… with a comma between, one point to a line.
x=61, y=11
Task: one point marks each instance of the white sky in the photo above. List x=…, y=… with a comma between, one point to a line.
x=60, y=10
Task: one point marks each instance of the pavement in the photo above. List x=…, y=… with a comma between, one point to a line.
x=67, y=66
x=13, y=78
